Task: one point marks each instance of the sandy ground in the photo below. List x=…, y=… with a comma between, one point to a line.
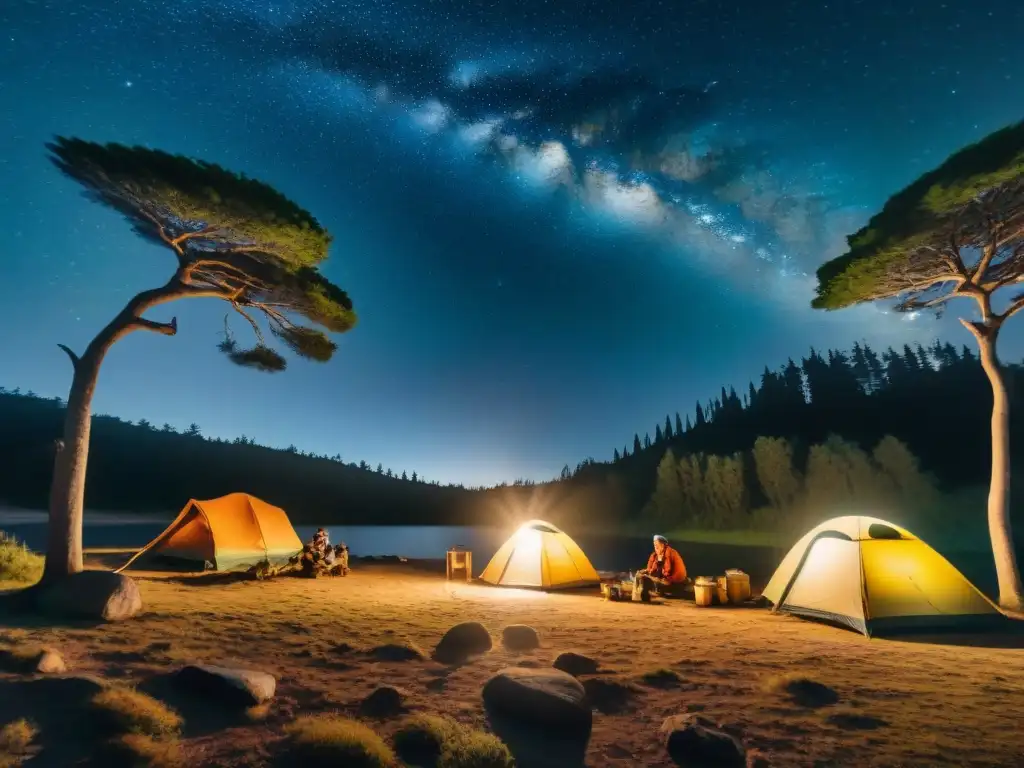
x=955, y=700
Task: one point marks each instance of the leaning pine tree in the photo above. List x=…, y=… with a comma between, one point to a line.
x=234, y=239
x=958, y=231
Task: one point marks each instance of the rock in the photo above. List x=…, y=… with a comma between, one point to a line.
x=397, y=652
x=547, y=698
x=50, y=662
x=757, y=759
x=384, y=701
x=235, y=687
x=96, y=595
x=576, y=664
x=696, y=742
x=520, y=637
x=608, y=695
x=462, y=641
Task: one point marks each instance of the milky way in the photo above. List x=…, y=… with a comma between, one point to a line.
x=558, y=220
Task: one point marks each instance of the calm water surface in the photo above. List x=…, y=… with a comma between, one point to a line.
x=607, y=553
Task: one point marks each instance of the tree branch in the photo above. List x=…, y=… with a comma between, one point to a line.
x=255, y=326
x=167, y=329
x=189, y=235
x=70, y=354
x=1015, y=306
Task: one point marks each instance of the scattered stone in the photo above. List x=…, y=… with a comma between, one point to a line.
x=397, y=652
x=756, y=759
x=576, y=664
x=520, y=637
x=96, y=595
x=236, y=687
x=696, y=742
x=50, y=662
x=608, y=695
x=805, y=692
x=547, y=698
x=384, y=701
x=463, y=641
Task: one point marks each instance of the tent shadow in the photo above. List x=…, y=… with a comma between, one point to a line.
x=1008, y=637
x=538, y=747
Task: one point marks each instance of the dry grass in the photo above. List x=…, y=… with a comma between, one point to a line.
x=18, y=563
x=915, y=703
x=127, y=711
x=326, y=740
x=136, y=750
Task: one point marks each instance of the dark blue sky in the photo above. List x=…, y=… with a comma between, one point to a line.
x=537, y=276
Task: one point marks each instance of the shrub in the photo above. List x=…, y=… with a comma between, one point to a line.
x=18, y=562
x=331, y=740
x=125, y=710
x=440, y=742
x=16, y=737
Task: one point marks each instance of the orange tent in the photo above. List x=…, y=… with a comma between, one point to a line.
x=233, y=532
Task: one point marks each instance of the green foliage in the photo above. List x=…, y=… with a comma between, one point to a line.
x=903, y=248
x=716, y=493
x=193, y=195
x=235, y=238
x=18, y=562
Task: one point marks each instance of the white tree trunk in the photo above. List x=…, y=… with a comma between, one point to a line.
x=1011, y=595
x=67, y=488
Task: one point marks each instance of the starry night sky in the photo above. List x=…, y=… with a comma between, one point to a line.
x=558, y=221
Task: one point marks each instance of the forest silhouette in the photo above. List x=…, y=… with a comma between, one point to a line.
x=905, y=430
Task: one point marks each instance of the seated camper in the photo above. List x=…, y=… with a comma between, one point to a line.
x=665, y=573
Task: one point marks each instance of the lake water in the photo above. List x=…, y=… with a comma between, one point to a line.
x=607, y=553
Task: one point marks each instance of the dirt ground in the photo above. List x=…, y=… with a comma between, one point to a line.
x=954, y=700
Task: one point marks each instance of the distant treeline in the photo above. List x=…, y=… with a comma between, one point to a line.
x=932, y=403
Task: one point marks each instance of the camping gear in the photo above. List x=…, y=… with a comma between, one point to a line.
x=721, y=590
x=704, y=590
x=613, y=591
x=540, y=555
x=875, y=577
x=234, y=532
x=737, y=586
x=459, y=560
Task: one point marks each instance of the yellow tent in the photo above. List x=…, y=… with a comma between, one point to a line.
x=540, y=555
x=233, y=532
x=875, y=577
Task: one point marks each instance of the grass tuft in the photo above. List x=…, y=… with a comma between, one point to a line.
x=16, y=737
x=432, y=741
x=801, y=690
x=332, y=740
x=125, y=710
x=17, y=562
x=136, y=750
x=661, y=678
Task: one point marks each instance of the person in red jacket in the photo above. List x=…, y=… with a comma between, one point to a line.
x=665, y=572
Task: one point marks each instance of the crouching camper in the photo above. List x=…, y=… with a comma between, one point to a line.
x=664, y=575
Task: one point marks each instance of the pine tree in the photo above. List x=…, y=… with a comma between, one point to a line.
x=679, y=424
x=380, y=469
x=701, y=420
x=659, y=437
x=637, y=447
x=647, y=440
x=404, y=476
x=668, y=428
x=414, y=478
x=615, y=456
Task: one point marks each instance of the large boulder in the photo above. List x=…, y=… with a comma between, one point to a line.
x=230, y=686
x=520, y=637
x=50, y=662
x=463, y=641
x=696, y=742
x=576, y=664
x=95, y=595
x=546, y=698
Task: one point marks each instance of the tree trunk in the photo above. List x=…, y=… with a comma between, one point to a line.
x=1011, y=595
x=67, y=489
